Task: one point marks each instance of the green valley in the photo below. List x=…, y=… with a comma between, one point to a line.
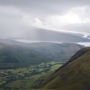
x=27, y=65
x=26, y=78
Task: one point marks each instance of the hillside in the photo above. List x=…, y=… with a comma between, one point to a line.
x=74, y=75
x=26, y=65
x=16, y=54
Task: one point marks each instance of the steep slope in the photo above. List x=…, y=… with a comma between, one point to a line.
x=16, y=54
x=74, y=75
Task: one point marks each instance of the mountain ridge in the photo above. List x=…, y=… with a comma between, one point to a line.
x=73, y=75
x=49, y=35
x=24, y=54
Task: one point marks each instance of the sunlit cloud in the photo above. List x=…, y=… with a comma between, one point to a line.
x=58, y=22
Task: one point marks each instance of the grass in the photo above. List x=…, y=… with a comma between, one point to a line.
x=74, y=76
x=27, y=78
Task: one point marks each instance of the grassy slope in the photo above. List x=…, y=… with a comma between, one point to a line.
x=73, y=76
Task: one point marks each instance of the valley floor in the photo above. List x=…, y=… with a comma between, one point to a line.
x=26, y=78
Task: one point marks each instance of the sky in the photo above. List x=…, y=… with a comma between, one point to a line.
x=20, y=16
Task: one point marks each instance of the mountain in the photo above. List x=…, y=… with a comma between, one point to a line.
x=16, y=54
x=54, y=36
x=74, y=75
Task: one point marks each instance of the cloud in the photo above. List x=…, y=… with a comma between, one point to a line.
x=20, y=16
x=72, y=21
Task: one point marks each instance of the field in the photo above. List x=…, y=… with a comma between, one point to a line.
x=26, y=78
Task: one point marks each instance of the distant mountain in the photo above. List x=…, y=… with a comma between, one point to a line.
x=54, y=36
x=16, y=54
x=74, y=75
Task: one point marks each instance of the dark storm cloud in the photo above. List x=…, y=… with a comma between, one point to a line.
x=20, y=16
x=38, y=3
x=44, y=6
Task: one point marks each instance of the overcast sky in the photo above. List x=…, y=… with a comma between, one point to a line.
x=20, y=16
